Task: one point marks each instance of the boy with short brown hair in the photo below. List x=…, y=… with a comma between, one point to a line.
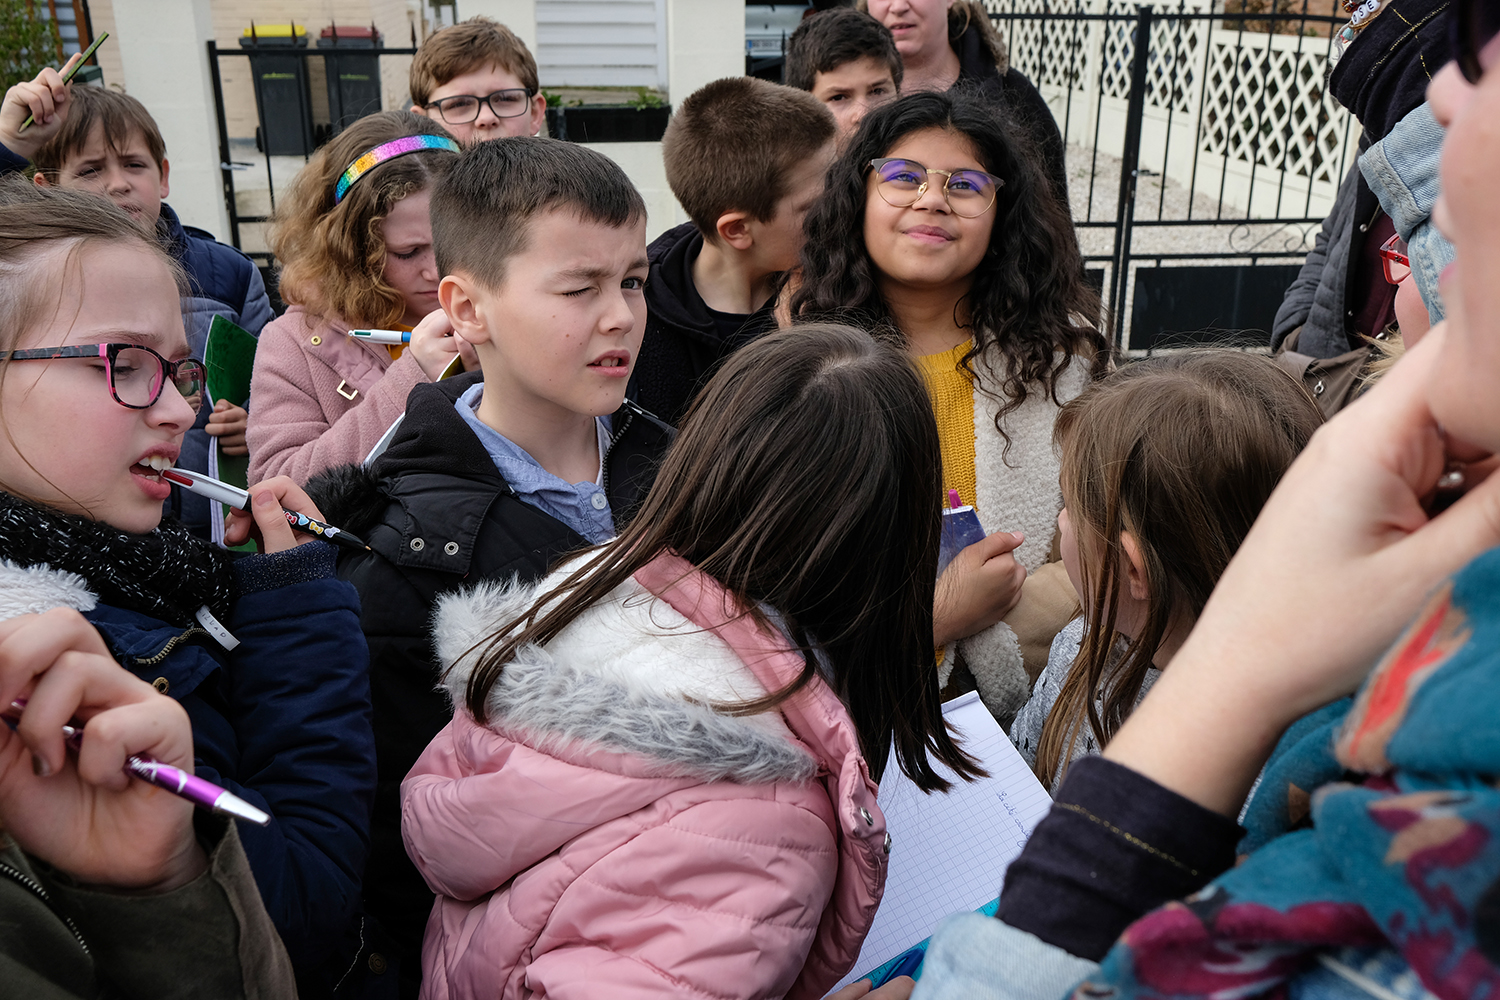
x=479, y=80
x=846, y=59
x=746, y=160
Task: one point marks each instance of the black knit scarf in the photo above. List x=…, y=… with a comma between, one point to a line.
x=167, y=573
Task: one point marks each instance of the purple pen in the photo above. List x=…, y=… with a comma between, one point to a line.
x=203, y=794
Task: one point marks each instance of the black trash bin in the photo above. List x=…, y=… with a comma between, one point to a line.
x=281, y=93
x=353, y=76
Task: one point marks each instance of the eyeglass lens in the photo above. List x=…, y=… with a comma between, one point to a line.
x=464, y=108
x=900, y=182
x=136, y=376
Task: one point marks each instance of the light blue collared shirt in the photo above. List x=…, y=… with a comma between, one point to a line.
x=584, y=507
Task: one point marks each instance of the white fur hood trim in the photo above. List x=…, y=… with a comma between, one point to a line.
x=30, y=590
x=630, y=675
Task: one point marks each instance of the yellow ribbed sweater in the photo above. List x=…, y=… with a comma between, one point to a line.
x=952, y=392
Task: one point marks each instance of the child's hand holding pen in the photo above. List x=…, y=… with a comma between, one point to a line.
x=433, y=344
x=82, y=813
x=980, y=587
x=45, y=99
x=266, y=522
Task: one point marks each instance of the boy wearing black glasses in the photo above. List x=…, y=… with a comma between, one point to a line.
x=479, y=80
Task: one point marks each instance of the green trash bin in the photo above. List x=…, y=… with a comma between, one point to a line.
x=353, y=75
x=281, y=92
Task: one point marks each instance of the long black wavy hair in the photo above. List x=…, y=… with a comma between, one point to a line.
x=1030, y=310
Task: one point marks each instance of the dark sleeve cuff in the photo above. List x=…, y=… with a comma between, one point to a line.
x=298, y=564
x=11, y=163
x=1115, y=846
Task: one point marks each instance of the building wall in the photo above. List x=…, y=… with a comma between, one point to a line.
x=602, y=43
x=102, y=17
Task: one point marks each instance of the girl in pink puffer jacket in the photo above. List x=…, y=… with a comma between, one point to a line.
x=656, y=781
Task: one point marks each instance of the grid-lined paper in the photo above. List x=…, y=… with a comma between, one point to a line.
x=949, y=851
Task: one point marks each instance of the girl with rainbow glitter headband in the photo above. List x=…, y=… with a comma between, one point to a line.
x=354, y=245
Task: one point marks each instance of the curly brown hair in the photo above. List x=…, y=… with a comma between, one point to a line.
x=332, y=257
x=1030, y=309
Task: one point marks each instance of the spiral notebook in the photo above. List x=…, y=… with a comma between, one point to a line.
x=949, y=851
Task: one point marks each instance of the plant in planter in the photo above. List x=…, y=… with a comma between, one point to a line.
x=643, y=119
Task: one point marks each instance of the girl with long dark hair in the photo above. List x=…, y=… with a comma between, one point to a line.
x=662, y=769
x=938, y=228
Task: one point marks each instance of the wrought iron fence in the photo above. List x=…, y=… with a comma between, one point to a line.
x=1212, y=153
x=1202, y=157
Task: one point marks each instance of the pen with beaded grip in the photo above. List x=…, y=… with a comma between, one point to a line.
x=214, y=489
x=201, y=793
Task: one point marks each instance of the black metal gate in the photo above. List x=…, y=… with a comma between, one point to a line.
x=289, y=117
x=1228, y=113
x=1213, y=150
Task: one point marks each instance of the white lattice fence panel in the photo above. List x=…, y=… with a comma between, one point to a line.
x=1270, y=141
x=1266, y=105
x=1172, y=76
x=1051, y=53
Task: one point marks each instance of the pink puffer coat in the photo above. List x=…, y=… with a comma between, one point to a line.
x=607, y=836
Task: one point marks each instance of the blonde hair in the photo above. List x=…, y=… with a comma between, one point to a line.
x=1182, y=451
x=332, y=256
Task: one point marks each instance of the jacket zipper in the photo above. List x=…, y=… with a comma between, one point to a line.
x=22, y=879
x=172, y=643
x=613, y=440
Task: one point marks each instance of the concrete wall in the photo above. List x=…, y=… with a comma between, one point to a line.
x=161, y=47
x=705, y=42
x=641, y=162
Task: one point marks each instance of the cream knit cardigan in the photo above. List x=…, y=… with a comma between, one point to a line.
x=1018, y=490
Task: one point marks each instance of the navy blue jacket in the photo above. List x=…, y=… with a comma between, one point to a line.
x=222, y=282
x=282, y=720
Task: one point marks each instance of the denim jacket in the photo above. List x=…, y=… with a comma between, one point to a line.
x=1402, y=171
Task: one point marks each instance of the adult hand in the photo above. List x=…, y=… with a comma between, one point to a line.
x=266, y=520
x=45, y=99
x=978, y=588
x=897, y=989
x=87, y=817
x=1341, y=558
x=434, y=344
x=228, y=423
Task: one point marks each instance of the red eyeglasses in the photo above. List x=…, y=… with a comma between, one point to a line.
x=1393, y=256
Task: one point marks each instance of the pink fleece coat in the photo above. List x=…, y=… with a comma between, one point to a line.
x=321, y=398
x=608, y=834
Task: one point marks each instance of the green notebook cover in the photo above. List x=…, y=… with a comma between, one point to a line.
x=229, y=357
